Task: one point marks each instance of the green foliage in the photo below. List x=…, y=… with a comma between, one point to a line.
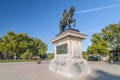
x=107, y=39
x=50, y=55
x=38, y=61
x=17, y=44
x=27, y=55
x=4, y=61
x=111, y=34
x=99, y=46
x=85, y=55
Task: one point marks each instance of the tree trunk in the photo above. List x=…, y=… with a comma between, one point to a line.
x=100, y=58
x=5, y=56
x=15, y=56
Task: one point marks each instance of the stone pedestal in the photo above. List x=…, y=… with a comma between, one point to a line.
x=68, y=59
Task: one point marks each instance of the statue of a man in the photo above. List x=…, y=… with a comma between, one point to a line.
x=64, y=15
x=67, y=19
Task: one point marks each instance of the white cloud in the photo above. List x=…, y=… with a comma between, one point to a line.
x=98, y=9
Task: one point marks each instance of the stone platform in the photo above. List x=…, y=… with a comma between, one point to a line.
x=69, y=67
x=68, y=59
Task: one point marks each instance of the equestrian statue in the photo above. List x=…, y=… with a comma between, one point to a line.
x=67, y=19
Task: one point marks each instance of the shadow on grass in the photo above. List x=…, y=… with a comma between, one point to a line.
x=101, y=75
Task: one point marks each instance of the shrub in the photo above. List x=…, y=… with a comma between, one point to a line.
x=27, y=55
x=50, y=55
x=38, y=61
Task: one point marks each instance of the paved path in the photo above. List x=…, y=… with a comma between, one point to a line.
x=33, y=71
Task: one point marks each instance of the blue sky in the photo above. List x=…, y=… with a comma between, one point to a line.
x=40, y=18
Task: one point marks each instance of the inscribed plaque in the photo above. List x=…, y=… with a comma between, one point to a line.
x=62, y=49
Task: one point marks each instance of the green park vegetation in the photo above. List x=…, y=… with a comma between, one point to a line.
x=106, y=40
x=20, y=46
x=4, y=61
x=50, y=55
x=84, y=55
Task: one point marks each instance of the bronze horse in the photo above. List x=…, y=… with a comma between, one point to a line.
x=67, y=19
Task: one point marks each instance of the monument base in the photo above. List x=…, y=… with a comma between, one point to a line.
x=68, y=59
x=69, y=67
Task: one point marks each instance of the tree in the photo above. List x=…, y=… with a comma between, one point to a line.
x=108, y=39
x=5, y=46
x=84, y=55
x=99, y=46
x=111, y=34
x=17, y=44
x=50, y=55
x=27, y=55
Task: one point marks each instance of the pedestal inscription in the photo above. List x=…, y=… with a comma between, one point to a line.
x=62, y=49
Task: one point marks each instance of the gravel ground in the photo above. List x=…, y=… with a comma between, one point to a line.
x=33, y=71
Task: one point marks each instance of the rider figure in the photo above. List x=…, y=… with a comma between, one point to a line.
x=67, y=19
x=64, y=15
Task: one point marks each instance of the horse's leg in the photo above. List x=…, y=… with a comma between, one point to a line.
x=74, y=22
x=60, y=28
x=68, y=23
x=63, y=28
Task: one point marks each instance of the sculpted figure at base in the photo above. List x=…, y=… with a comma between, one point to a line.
x=67, y=19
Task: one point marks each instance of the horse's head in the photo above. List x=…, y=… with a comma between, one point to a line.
x=72, y=10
